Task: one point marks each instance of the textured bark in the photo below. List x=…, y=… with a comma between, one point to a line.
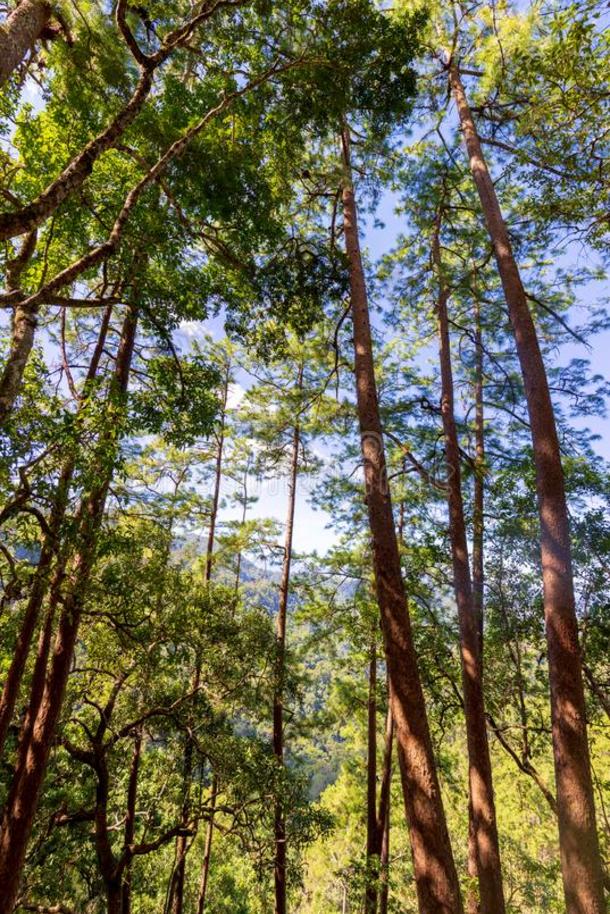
x=478, y=513
x=579, y=846
x=42, y=578
x=482, y=807
x=18, y=814
x=373, y=834
x=473, y=905
x=18, y=35
x=478, y=531
x=23, y=328
x=25, y=320
x=279, y=873
x=383, y=819
x=130, y=819
x=435, y=874
x=12, y=683
x=207, y=852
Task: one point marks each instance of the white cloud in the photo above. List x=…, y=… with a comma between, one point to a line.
x=235, y=395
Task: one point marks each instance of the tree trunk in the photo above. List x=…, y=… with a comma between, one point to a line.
x=177, y=890
x=176, y=894
x=373, y=833
x=18, y=815
x=21, y=651
x=478, y=531
x=207, y=853
x=435, y=874
x=278, y=694
x=478, y=515
x=130, y=820
x=217, y=478
x=40, y=585
x=580, y=854
x=114, y=897
x=22, y=29
x=244, y=514
x=383, y=821
x=484, y=826
x=23, y=328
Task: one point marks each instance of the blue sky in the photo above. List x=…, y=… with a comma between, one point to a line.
x=313, y=530
x=313, y=527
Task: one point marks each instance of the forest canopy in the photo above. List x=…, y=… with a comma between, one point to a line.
x=304, y=471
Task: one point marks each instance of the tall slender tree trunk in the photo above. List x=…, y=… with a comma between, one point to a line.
x=209, y=561
x=244, y=514
x=279, y=873
x=478, y=531
x=42, y=577
x=383, y=819
x=484, y=827
x=18, y=35
x=478, y=514
x=129, y=828
x=580, y=853
x=435, y=873
x=373, y=848
x=176, y=896
x=207, y=851
x=178, y=878
x=19, y=811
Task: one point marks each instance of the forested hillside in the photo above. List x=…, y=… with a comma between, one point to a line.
x=304, y=461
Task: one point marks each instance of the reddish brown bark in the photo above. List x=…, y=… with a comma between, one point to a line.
x=482, y=807
x=18, y=35
x=18, y=814
x=478, y=513
x=279, y=873
x=373, y=834
x=383, y=818
x=435, y=874
x=12, y=683
x=580, y=854
x=42, y=579
x=478, y=577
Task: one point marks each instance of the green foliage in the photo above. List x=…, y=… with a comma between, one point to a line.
x=238, y=230
x=180, y=402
